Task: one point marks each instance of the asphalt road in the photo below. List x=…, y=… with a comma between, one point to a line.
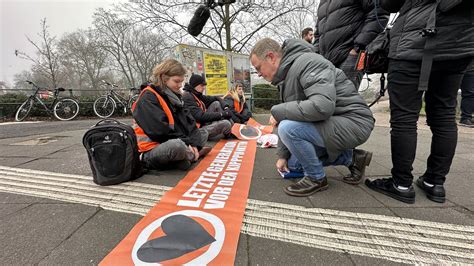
x=52, y=214
x=32, y=128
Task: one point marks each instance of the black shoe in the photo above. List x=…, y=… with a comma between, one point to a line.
x=360, y=159
x=466, y=123
x=387, y=187
x=435, y=193
x=306, y=186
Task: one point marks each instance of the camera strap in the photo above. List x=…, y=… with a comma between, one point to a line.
x=429, y=32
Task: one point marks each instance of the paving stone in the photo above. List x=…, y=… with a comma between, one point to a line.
x=93, y=240
x=28, y=237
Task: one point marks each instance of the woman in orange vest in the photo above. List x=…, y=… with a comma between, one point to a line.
x=166, y=132
x=235, y=99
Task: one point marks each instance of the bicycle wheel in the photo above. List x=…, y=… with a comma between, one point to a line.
x=24, y=110
x=66, y=109
x=131, y=101
x=104, y=106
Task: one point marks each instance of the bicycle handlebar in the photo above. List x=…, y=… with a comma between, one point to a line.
x=110, y=84
x=38, y=88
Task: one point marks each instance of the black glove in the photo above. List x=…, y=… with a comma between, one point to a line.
x=226, y=114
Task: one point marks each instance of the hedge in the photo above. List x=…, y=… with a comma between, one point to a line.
x=10, y=102
x=265, y=96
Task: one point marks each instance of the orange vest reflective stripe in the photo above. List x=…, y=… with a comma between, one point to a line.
x=201, y=105
x=144, y=142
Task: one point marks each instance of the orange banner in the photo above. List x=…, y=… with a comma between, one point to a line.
x=252, y=130
x=198, y=221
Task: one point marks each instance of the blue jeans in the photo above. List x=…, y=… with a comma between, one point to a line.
x=308, y=151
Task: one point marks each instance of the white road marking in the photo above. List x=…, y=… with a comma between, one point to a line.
x=18, y=123
x=391, y=238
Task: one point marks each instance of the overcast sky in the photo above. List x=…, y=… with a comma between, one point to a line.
x=19, y=18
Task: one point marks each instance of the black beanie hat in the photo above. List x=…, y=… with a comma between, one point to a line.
x=196, y=80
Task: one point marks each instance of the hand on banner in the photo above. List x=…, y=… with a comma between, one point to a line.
x=282, y=165
x=195, y=152
x=272, y=121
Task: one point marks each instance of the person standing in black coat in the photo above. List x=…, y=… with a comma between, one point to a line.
x=344, y=28
x=426, y=31
x=207, y=110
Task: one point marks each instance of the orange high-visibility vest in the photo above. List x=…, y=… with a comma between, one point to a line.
x=201, y=105
x=144, y=142
x=237, y=106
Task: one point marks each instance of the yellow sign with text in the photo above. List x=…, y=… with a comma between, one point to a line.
x=215, y=67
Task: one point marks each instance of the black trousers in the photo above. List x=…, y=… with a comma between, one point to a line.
x=467, y=96
x=440, y=107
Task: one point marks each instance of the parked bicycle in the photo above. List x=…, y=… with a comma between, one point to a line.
x=63, y=108
x=105, y=105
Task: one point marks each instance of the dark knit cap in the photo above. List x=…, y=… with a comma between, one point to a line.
x=196, y=80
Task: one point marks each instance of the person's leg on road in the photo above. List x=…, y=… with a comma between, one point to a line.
x=441, y=100
x=218, y=129
x=467, y=99
x=170, y=154
x=204, y=137
x=300, y=139
x=215, y=107
x=405, y=106
x=304, y=143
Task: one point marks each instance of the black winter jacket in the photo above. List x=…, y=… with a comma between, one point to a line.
x=151, y=117
x=454, y=23
x=241, y=117
x=190, y=102
x=346, y=24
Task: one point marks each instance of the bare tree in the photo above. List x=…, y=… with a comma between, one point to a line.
x=135, y=49
x=112, y=32
x=291, y=25
x=83, y=58
x=231, y=26
x=147, y=49
x=19, y=80
x=47, y=62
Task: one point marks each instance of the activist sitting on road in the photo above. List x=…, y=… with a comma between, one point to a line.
x=322, y=117
x=235, y=99
x=207, y=110
x=166, y=132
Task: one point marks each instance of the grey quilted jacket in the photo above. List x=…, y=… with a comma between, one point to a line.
x=313, y=90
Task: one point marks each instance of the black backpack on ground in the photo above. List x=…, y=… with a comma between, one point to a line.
x=113, y=152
